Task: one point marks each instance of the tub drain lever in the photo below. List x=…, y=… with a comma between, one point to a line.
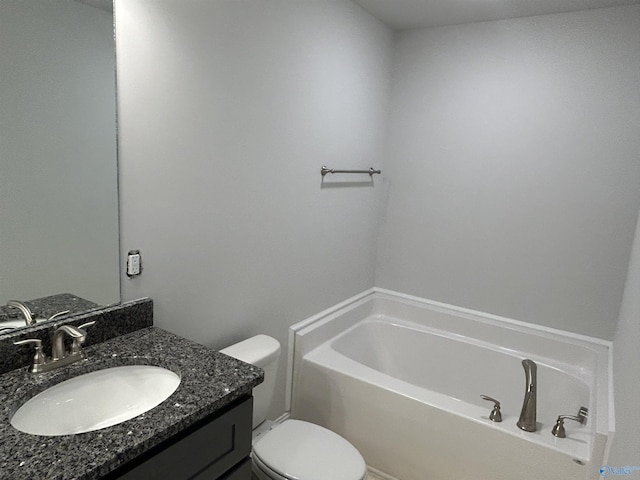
x=495, y=415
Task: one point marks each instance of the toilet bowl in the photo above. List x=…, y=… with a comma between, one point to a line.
x=292, y=449
x=301, y=450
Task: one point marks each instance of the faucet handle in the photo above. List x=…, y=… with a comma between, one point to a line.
x=77, y=342
x=495, y=415
x=558, y=428
x=59, y=314
x=39, y=357
x=85, y=325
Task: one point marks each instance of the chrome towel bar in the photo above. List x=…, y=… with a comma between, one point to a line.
x=324, y=170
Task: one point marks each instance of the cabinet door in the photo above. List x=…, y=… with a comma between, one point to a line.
x=205, y=452
x=239, y=472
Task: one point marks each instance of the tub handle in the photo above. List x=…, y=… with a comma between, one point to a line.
x=495, y=415
x=581, y=418
x=558, y=429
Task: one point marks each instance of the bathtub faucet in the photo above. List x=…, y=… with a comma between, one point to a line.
x=527, y=419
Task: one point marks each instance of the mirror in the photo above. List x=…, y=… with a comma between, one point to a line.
x=58, y=178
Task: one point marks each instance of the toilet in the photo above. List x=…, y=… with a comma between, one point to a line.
x=293, y=449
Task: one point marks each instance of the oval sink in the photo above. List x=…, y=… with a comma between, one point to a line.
x=96, y=400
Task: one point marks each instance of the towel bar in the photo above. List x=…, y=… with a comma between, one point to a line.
x=324, y=170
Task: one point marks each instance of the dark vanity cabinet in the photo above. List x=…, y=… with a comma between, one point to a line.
x=216, y=448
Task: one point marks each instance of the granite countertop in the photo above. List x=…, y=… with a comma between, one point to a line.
x=42, y=308
x=209, y=381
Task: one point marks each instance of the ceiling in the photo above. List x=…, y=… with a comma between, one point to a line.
x=404, y=14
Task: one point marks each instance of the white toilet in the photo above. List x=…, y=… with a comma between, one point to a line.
x=293, y=449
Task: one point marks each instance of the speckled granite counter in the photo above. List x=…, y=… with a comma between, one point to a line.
x=111, y=322
x=44, y=307
x=209, y=381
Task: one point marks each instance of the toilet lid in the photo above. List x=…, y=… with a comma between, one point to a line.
x=299, y=450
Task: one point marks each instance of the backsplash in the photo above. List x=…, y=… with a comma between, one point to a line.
x=110, y=321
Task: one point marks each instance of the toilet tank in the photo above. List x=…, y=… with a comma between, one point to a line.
x=262, y=351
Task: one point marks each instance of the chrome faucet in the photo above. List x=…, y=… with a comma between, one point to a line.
x=59, y=356
x=26, y=312
x=57, y=344
x=527, y=419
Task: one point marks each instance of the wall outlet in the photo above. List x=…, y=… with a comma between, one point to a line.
x=134, y=263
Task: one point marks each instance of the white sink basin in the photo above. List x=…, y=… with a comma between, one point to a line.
x=96, y=400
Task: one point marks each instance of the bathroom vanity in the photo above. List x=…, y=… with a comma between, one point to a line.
x=218, y=447
x=203, y=430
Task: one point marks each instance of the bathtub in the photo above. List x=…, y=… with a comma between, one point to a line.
x=401, y=378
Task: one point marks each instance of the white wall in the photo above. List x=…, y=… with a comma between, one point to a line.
x=58, y=171
x=626, y=363
x=513, y=166
x=227, y=111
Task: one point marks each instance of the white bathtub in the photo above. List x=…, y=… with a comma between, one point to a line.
x=401, y=378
